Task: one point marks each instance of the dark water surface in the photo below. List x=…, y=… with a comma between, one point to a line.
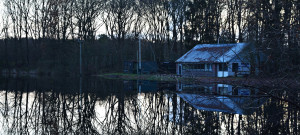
x=98, y=106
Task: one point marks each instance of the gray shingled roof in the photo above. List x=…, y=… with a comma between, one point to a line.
x=212, y=103
x=212, y=53
x=236, y=105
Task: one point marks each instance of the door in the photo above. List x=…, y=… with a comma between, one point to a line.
x=180, y=68
x=235, y=68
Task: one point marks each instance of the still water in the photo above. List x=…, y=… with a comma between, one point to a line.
x=99, y=106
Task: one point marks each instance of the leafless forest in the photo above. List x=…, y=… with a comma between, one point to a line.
x=41, y=35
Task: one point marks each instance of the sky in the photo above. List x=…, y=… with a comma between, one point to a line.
x=1, y=16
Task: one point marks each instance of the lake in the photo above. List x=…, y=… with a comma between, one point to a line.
x=95, y=105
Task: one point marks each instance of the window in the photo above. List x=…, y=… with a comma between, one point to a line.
x=201, y=67
x=208, y=67
x=223, y=67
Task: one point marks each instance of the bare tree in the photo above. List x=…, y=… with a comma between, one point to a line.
x=86, y=13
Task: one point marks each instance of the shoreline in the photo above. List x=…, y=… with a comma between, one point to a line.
x=256, y=82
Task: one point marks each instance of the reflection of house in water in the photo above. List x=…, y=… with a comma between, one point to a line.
x=195, y=88
x=221, y=89
x=224, y=89
x=227, y=104
x=221, y=98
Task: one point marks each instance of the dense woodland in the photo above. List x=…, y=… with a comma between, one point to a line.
x=41, y=35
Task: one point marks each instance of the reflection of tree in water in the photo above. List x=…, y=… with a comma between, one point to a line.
x=47, y=112
x=122, y=112
x=134, y=114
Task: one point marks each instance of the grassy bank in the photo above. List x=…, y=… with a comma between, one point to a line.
x=169, y=78
x=150, y=77
x=257, y=82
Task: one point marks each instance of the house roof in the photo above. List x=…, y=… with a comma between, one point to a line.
x=212, y=53
x=236, y=105
x=212, y=103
